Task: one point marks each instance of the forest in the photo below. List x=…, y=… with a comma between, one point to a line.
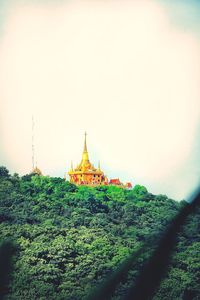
x=68, y=239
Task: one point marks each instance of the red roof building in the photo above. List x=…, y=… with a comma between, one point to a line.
x=115, y=181
x=128, y=185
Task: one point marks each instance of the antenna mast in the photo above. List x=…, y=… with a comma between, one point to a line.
x=33, y=146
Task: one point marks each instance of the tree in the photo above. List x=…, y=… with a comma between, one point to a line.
x=69, y=238
x=4, y=173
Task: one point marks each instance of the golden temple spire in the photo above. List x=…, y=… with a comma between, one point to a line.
x=85, y=143
x=99, y=167
x=85, y=156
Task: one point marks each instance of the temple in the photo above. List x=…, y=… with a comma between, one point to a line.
x=85, y=173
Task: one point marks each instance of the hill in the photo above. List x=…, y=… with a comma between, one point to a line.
x=69, y=239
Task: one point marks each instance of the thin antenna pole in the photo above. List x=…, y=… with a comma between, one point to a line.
x=33, y=146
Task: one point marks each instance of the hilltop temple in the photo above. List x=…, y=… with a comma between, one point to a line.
x=86, y=174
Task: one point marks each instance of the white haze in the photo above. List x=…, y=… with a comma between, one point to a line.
x=118, y=70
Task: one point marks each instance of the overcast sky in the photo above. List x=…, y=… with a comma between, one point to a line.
x=127, y=72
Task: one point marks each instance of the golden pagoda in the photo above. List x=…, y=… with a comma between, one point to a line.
x=36, y=171
x=85, y=173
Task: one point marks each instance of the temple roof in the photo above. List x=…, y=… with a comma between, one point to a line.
x=85, y=164
x=115, y=181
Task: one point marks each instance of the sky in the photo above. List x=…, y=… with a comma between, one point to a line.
x=126, y=72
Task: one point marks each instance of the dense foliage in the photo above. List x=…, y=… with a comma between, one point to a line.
x=71, y=238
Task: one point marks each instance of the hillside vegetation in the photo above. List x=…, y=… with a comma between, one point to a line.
x=69, y=239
